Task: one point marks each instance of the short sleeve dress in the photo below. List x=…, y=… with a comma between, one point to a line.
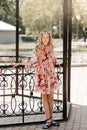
x=46, y=80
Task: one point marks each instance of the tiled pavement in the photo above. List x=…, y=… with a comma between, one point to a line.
x=78, y=114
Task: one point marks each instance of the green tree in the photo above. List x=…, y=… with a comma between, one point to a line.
x=79, y=16
x=4, y=5
x=40, y=14
x=7, y=11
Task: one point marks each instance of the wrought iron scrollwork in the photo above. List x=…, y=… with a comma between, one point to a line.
x=22, y=100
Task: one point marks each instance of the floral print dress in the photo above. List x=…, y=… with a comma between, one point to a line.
x=45, y=76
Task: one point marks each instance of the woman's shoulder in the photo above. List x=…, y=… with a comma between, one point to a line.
x=36, y=48
x=49, y=48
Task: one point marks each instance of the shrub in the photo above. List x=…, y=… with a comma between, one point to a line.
x=25, y=38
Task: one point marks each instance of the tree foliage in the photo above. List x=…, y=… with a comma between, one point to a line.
x=40, y=14
x=80, y=9
x=7, y=11
x=4, y=5
x=79, y=17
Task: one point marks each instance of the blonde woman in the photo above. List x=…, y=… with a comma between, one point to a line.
x=46, y=83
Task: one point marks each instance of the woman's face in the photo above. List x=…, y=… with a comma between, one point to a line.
x=45, y=38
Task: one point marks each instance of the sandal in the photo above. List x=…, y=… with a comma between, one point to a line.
x=54, y=123
x=47, y=125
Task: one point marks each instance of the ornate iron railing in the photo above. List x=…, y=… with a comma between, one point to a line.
x=17, y=95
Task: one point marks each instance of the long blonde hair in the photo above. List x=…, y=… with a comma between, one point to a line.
x=50, y=43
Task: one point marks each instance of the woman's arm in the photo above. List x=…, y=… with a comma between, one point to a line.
x=17, y=64
x=31, y=62
x=55, y=60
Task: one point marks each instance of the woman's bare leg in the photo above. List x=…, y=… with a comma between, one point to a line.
x=46, y=105
x=50, y=101
x=47, y=100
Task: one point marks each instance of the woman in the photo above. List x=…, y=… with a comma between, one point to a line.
x=46, y=83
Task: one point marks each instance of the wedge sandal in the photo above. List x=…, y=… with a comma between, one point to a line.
x=47, y=124
x=54, y=123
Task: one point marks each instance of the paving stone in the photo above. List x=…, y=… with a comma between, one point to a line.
x=16, y=128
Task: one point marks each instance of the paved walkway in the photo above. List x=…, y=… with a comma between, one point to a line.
x=78, y=113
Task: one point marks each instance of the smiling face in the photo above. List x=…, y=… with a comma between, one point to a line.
x=45, y=38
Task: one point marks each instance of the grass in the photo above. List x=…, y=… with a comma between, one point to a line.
x=30, y=46
x=80, y=49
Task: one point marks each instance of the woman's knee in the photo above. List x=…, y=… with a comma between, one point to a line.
x=50, y=96
x=44, y=96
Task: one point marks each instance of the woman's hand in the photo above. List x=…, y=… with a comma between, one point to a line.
x=57, y=63
x=17, y=64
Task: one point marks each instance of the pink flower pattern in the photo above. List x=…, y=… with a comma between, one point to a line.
x=45, y=76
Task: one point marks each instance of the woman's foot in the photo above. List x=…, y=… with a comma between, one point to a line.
x=47, y=124
x=54, y=123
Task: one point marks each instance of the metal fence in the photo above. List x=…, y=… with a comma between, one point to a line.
x=18, y=100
